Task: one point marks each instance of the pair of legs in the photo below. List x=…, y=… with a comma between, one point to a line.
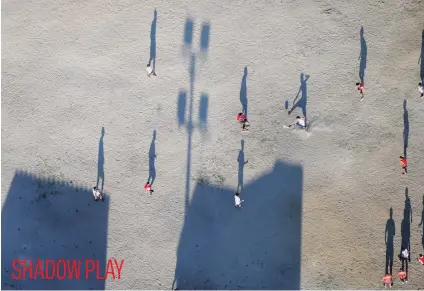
x=244, y=124
x=404, y=170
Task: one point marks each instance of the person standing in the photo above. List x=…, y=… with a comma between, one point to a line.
x=150, y=71
x=238, y=201
x=421, y=259
x=388, y=281
x=402, y=276
x=403, y=164
x=421, y=89
x=241, y=118
x=97, y=194
x=360, y=87
x=148, y=188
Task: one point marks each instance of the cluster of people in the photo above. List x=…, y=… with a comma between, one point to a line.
x=402, y=274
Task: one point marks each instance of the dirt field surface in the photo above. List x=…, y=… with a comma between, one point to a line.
x=78, y=110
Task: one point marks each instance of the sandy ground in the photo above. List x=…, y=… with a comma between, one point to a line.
x=70, y=68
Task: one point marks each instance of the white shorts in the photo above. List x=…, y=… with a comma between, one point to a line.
x=96, y=193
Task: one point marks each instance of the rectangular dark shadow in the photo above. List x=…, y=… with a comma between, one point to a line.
x=204, y=39
x=188, y=31
x=43, y=218
x=257, y=247
x=181, y=107
x=203, y=110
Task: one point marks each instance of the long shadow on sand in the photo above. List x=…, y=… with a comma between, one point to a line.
x=257, y=247
x=243, y=92
x=43, y=219
x=422, y=58
x=362, y=56
x=152, y=60
x=406, y=224
x=101, y=162
x=422, y=225
x=405, y=129
x=389, y=235
x=152, y=157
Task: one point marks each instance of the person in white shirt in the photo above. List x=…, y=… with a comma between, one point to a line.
x=150, y=71
x=421, y=89
x=300, y=123
x=97, y=194
x=238, y=201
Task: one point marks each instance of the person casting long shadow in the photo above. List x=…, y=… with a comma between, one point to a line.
x=243, y=93
x=389, y=235
x=405, y=129
x=406, y=230
x=241, y=163
x=152, y=60
x=362, y=56
x=422, y=224
x=302, y=101
x=101, y=162
x=152, y=157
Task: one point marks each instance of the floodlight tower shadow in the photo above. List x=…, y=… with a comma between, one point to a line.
x=204, y=46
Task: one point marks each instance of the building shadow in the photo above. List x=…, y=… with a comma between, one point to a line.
x=152, y=60
x=422, y=225
x=243, y=92
x=241, y=162
x=363, y=56
x=406, y=225
x=405, y=128
x=44, y=218
x=303, y=93
x=257, y=247
x=101, y=162
x=152, y=157
x=389, y=235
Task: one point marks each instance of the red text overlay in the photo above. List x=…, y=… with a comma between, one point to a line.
x=66, y=269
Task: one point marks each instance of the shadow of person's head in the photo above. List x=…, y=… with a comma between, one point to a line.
x=361, y=32
x=154, y=134
x=391, y=213
x=155, y=14
x=103, y=131
x=245, y=71
x=242, y=144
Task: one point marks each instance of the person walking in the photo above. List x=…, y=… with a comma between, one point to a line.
x=238, y=201
x=241, y=118
x=403, y=164
x=97, y=194
x=360, y=87
x=421, y=89
x=148, y=188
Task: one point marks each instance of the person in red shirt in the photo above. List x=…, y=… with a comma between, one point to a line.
x=388, y=280
x=148, y=188
x=421, y=259
x=360, y=87
x=402, y=276
x=241, y=118
x=403, y=164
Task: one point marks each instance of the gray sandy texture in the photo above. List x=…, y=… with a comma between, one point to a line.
x=317, y=203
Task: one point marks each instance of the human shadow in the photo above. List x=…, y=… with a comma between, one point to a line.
x=46, y=218
x=243, y=92
x=362, y=56
x=303, y=93
x=241, y=163
x=406, y=225
x=255, y=248
x=152, y=60
x=389, y=235
x=152, y=157
x=422, y=224
x=101, y=162
x=422, y=58
x=405, y=129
